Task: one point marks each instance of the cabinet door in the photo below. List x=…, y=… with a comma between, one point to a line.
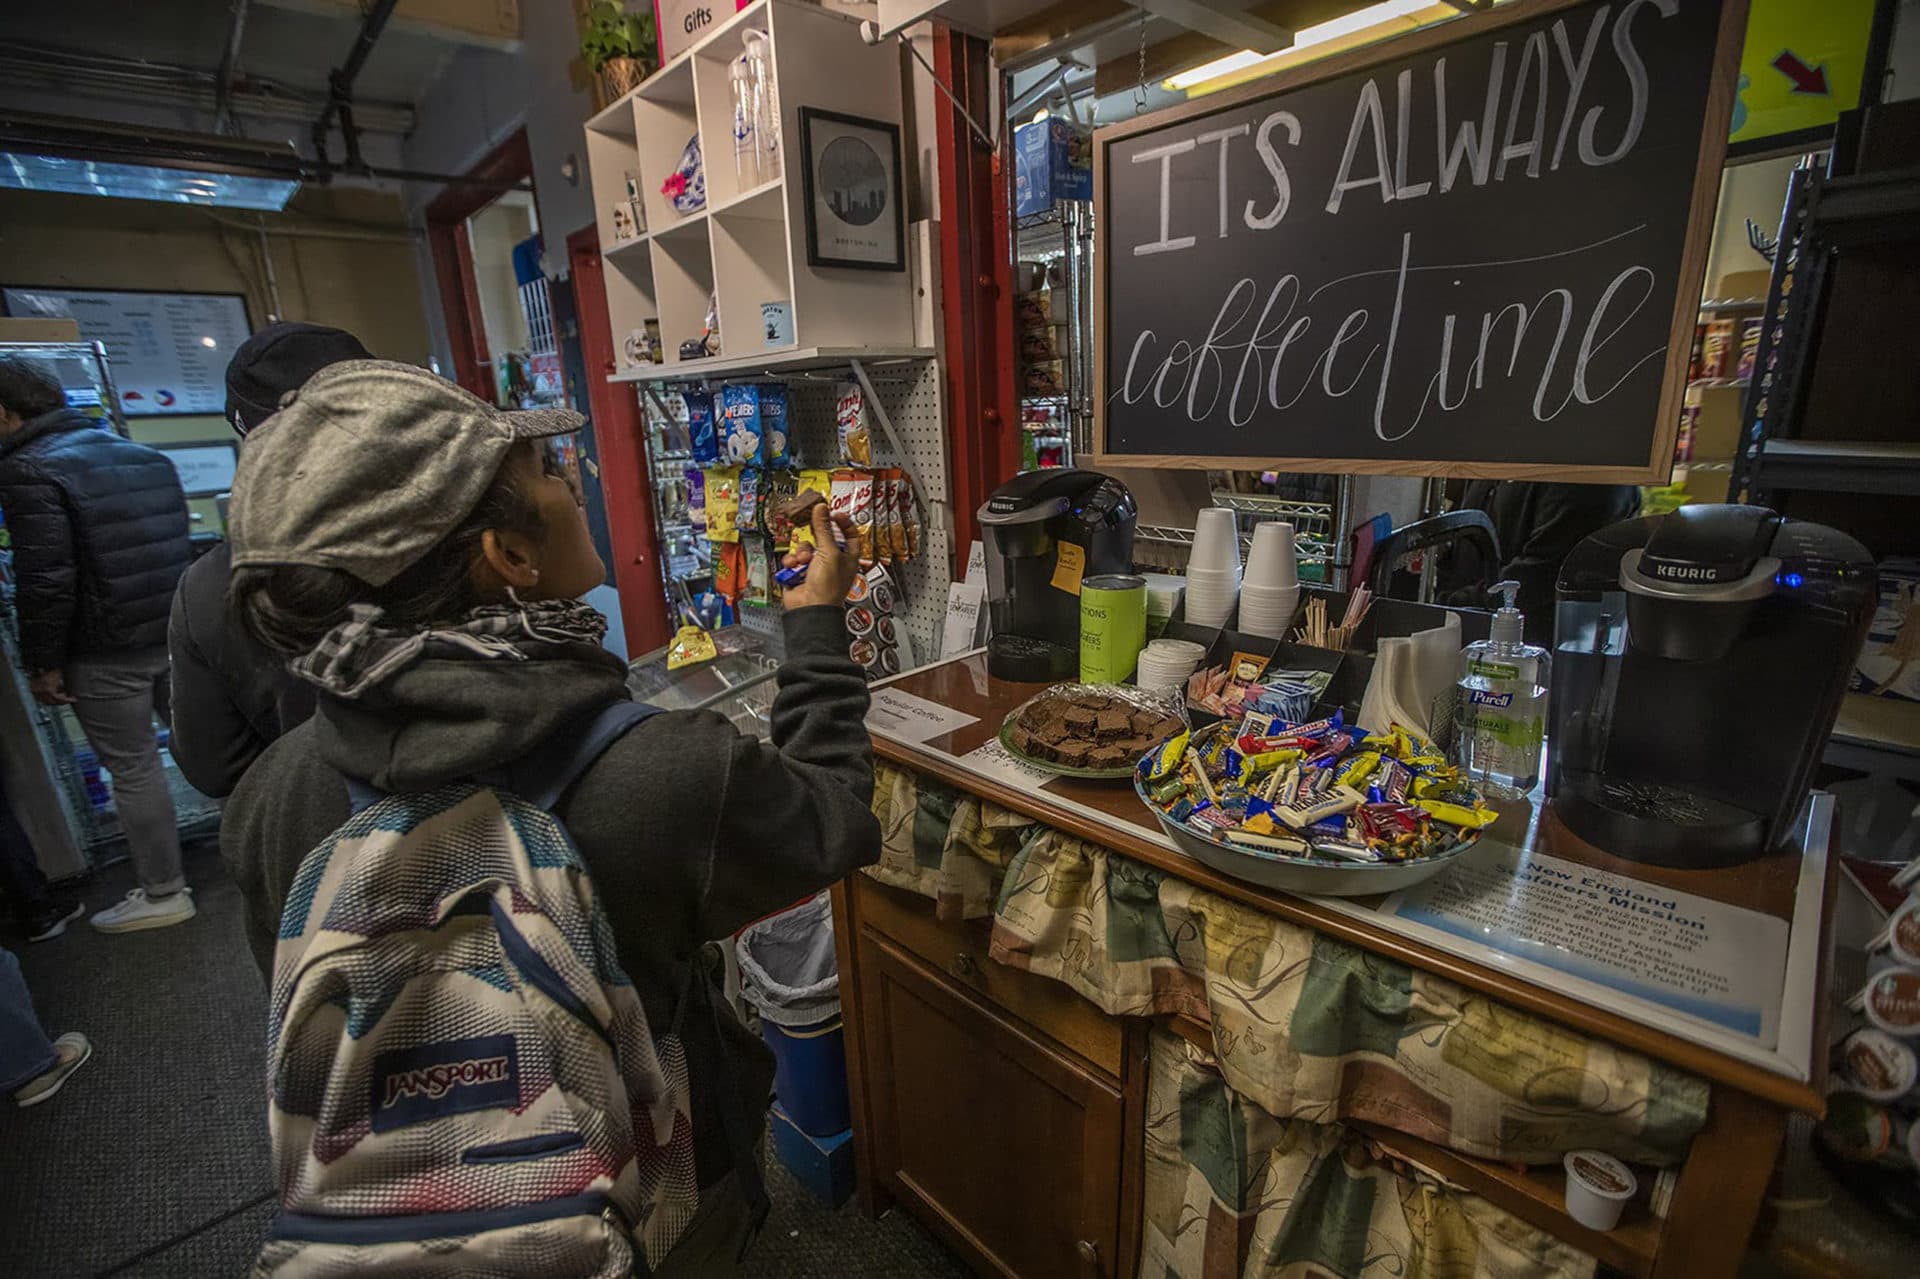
x=1001, y=1140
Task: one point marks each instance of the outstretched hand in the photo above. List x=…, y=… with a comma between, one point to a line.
x=833, y=561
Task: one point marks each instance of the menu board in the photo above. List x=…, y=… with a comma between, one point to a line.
x=168, y=351
x=1472, y=250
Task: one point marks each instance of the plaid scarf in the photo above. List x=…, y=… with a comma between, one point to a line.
x=362, y=652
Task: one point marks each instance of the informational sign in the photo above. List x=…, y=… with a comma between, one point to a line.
x=1802, y=67
x=991, y=759
x=168, y=351
x=1474, y=250
x=205, y=469
x=913, y=719
x=1700, y=958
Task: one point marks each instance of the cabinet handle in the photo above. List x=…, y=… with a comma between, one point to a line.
x=1089, y=1251
x=963, y=965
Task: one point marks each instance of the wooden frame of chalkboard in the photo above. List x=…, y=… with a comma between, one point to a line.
x=1188, y=395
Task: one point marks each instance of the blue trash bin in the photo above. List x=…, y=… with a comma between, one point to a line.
x=789, y=974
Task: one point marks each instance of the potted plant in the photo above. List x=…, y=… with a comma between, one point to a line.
x=619, y=46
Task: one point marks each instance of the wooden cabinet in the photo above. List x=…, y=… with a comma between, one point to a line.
x=1015, y=1147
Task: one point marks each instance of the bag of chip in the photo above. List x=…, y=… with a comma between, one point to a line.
x=774, y=417
x=729, y=571
x=759, y=574
x=852, y=425
x=723, y=504
x=741, y=433
x=779, y=488
x=909, y=518
x=886, y=515
x=701, y=436
x=750, y=504
x=697, y=500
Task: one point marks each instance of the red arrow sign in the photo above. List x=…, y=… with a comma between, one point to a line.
x=1805, y=79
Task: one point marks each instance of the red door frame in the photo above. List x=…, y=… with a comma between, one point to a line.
x=619, y=440
x=508, y=163
x=977, y=306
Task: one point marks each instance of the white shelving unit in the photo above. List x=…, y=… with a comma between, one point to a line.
x=747, y=246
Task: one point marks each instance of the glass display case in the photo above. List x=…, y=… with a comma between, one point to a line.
x=737, y=683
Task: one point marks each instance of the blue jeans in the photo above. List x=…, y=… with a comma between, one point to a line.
x=25, y=1052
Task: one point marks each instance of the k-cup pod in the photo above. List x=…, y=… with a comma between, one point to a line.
x=1878, y=1066
x=1891, y=1001
x=1598, y=1187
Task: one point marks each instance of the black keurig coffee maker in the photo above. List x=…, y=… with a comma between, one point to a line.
x=1043, y=532
x=1698, y=664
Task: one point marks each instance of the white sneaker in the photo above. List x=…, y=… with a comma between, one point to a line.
x=137, y=911
x=70, y=1051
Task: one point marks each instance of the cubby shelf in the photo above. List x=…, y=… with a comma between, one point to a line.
x=747, y=247
x=785, y=360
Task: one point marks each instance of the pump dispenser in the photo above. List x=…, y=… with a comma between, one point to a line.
x=1500, y=716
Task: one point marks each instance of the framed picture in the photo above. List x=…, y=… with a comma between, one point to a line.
x=206, y=466
x=851, y=170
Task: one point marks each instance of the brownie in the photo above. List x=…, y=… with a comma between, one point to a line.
x=1135, y=747
x=1108, y=757
x=1080, y=720
x=1145, y=721
x=1167, y=726
x=1111, y=724
x=1052, y=732
x=1072, y=754
x=1020, y=739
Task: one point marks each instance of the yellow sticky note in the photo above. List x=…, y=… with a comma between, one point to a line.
x=1069, y=564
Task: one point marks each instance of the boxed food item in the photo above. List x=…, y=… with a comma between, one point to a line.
x=1718, y=354
x=1750, y=330
x=1889, y=660
x=1052, y=161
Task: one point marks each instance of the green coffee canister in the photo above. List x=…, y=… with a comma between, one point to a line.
x=1113, y=627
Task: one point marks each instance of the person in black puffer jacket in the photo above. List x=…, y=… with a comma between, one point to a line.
x=99, y=529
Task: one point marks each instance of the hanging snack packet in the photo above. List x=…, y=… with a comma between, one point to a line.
x=886, y=503
x=741, y=426
x=773, y=424
x=697, y=500
x=909, y=518
x=780, y=488
x=851, y=424
x=729, y=571
x=864, y=511
x=701, y=436
x=749, y=518
x=723, y=504
x=759, y=575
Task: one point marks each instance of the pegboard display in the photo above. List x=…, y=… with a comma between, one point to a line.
x=909, y=391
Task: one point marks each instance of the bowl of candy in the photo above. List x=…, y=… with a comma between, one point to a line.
x=1319, y=807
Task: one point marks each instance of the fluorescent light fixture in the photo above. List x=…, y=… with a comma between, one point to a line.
x=23, y=171
x=1306, y=37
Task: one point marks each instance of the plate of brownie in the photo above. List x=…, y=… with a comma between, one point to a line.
x=1089, y=730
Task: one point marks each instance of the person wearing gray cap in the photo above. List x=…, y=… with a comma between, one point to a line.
x=419, y=556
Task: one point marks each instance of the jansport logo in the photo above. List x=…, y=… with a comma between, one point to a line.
x=436, y=1081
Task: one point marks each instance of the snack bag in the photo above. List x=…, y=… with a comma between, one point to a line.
x=909, y=518
x=730, y=571
x=818, y=481
x=886, y=515
x=701, y=436
x=723, y=504
x=697, y=500
x=690, y=645
x=773, y=424
x=740, y=414
x=780, y=488
x=840, y=494
x=759, y=575
x=851, y=424
x=749, y=520
x=862, y=511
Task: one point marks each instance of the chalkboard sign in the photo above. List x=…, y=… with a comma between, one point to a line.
x=1474, y=250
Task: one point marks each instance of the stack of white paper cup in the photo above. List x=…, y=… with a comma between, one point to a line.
x=1166, y=663
x=1271, y=590
x=1213, y=570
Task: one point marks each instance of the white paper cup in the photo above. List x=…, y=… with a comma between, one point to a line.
x=1216, y=541
x=1271, y=563
x=1598, y=1187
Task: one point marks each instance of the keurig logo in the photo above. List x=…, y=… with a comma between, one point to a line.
x=1686, y=572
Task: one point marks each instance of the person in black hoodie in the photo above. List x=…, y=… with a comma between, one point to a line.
x=232, y=697
x=424, y=575
x=99, y=528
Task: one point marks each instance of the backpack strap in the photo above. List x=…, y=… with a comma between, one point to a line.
x=546, y=773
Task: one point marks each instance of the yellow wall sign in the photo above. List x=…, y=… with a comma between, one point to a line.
x=1801, y=67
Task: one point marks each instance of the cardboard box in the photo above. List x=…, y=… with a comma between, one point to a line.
x=824, y=1165
x=1052, y=161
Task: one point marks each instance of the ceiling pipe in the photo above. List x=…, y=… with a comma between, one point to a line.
x=223, y=121
x=340, y=87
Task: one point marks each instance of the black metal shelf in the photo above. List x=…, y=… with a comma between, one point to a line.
x=1839, y=466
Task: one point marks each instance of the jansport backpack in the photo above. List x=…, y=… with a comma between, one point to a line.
x=463, y=1079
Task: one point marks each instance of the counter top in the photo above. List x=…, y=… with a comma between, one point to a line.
x=935, y=719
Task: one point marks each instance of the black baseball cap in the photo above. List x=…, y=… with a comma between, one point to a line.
x=278, y=359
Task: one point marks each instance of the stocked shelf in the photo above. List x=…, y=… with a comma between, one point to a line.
x=742, y=249
x=791, y=360
x=1838, y=466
